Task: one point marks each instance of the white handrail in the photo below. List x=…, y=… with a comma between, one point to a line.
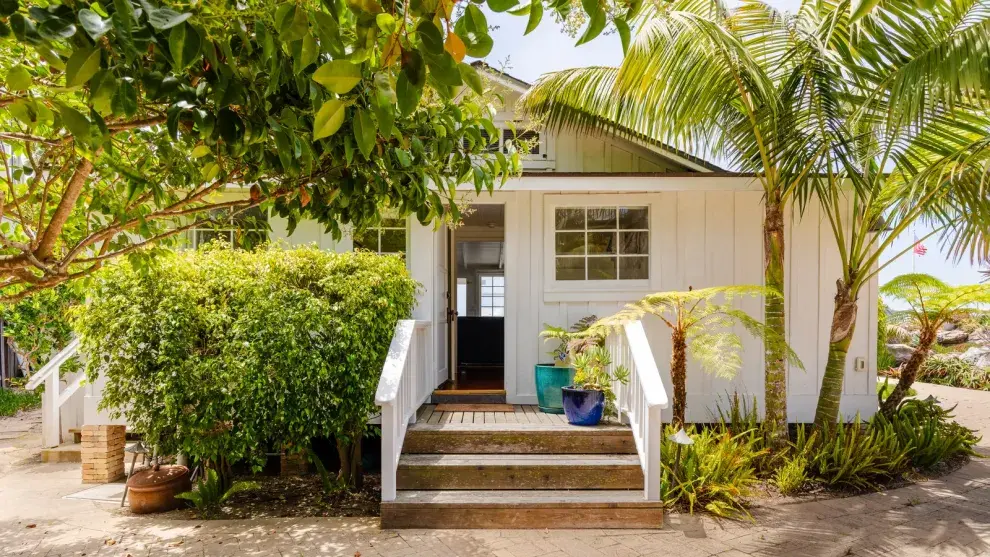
x=52, y=400
x=404, y=386
x=53, y=365
x=640, y=400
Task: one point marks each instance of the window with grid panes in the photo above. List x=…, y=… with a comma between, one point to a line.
x=390, y=237
x=601, y=243
x=492, y=296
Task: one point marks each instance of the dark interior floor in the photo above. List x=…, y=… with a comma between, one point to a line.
x=479, y=377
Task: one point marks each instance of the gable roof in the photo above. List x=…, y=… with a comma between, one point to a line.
x=658, y=147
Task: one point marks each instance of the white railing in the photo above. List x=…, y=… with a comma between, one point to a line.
x=54, y=398
x=407, y=381
x=640, y=400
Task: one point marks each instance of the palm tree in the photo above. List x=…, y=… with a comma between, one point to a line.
x=703, y=77
x=883, y=164
x=701, y=323
x=931, y=303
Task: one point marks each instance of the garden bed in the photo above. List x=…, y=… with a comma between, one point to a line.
x=295, y=497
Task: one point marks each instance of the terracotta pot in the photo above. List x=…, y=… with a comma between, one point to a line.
x=154, y=491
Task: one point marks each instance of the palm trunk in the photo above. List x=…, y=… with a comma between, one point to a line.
x=909, y=373
x=775, y=399
x=678, y=376
x=843, y=327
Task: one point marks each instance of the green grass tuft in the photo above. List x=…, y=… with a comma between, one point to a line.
x=12, y=401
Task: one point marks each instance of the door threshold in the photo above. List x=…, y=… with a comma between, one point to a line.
x=468, y=392
x=475, y=396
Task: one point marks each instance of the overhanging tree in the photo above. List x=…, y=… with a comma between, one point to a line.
x=121, y=121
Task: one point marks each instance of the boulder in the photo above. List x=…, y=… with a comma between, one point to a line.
x=900, y=352
x=954, y=336
x=978, y=356
x=948, y=326
x=980, y=336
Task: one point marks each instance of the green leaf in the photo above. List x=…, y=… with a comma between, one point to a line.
x=429, y=37
x=535, y=16
x=384, y=112
x=407, y=94
x=94, y=25
x=328, y=119
x=164, y=18
x=444, y=70
x=338, y=76
x=125, y=99
x=76, y=122
x=49, y=55
x=18, y=78
x=472, y=28
x=308, y=52
x=365, y=132
x=56, y=28
x=623, y=29
x=862, y=8
x=185, y=44
x=471, y=77
x=8, y=7
x=502, y=5
x=385, y=22
x=82, y=65
x=200, y=151
x=596, y=24
x=291, y=22
x=125, y=10
x=403, y=156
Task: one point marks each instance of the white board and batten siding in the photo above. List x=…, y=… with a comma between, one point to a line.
x=698, y=238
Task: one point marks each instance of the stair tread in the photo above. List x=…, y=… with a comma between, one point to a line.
x=528, y=498
x=602, y=429
x=554, y=460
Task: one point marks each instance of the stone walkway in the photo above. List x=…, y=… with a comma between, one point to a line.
x=950, y=516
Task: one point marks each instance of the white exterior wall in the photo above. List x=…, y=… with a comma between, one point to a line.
x=708, y=236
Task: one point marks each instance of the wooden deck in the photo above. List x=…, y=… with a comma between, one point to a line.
x=521, y=414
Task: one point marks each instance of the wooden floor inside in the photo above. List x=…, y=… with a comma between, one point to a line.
x=521, y=414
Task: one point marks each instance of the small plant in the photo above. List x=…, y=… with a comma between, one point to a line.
x=209, y=495
x=884, y=389
x=850, y=455
x=593, y=371
x=12, y=401
x=792, y=475
x=927, y=432
x=571, y=341
x=955, y=372
x=716, y=472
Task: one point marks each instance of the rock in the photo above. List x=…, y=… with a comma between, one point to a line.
x=900, y=352
x=954, y=336
x=948, y=326
x=978, y=356
x=980, y=336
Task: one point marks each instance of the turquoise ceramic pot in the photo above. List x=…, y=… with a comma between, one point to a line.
x=549, y=381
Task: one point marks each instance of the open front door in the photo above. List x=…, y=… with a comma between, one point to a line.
x=451, y=261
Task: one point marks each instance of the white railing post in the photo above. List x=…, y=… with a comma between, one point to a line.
x=50, y=423
x=640, y=400
x=403, y=386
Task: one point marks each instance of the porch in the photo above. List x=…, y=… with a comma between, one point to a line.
x=511, y=465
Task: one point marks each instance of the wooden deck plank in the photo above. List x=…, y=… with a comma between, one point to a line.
x=424, y=413
x=434, y=417
x=457, y=417
x=500, y=417
x=490, y=418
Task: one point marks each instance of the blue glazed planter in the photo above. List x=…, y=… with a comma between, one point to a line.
x=549, y=380
x=583, y=407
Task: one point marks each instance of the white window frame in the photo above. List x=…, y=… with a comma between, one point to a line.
x=378, y=231
x=598, y=290
x=230, y=230
x=481, y=294
x=542, y=161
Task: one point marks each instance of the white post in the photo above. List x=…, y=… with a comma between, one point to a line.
x=389, y=456
x=651, y=445
x=50, y=424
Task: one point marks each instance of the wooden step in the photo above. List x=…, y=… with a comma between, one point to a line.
x=519, y=471
x=521, y=509
x=520, y=438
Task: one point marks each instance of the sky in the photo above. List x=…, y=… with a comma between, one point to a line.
x=548, y=49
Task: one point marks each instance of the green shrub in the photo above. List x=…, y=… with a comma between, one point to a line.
x=928, y=434
x=792, y=475
x=743, y=418
x=209, y=496
x=13, y=401
x=885, y=360
x=954, y=372
x=39, y=324
x=884, y=389
x=716, y=472
x=850, y=455
x=220, y=353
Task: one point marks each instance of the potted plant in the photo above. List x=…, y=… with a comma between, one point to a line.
x=586, y=400
x=551, y=377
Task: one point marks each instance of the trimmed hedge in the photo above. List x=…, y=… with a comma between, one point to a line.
x=216, y=353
